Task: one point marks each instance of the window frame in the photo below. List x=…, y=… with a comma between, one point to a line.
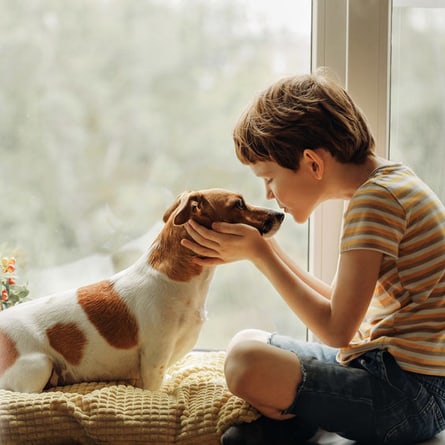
x=352, y=39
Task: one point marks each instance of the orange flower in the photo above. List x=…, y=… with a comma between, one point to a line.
x=8, y=264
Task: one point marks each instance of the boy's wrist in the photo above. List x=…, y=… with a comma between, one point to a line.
x=264, y=254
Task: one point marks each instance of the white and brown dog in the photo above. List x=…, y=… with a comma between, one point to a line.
x=131, y=326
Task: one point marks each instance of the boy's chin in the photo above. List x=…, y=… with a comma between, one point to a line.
x=299, y=219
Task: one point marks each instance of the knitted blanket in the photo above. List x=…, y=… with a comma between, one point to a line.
x=192, y=407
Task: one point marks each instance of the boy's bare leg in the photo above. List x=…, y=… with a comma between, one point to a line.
x=265, y=376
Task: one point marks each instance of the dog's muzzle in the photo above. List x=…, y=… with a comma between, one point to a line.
x=271, y=222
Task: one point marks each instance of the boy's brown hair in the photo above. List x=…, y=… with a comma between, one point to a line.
x=299, y=113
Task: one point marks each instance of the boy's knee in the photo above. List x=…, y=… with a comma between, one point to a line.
x=240, y=364
x=248, y=335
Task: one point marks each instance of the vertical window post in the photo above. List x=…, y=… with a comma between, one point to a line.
x=351, y=39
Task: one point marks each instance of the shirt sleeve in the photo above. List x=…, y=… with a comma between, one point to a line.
x=374, y=220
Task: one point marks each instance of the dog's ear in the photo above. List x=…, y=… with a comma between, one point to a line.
x=185, y=205
x=174, y=206
x=188, y=206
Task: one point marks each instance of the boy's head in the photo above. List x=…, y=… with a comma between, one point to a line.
x=299, y=113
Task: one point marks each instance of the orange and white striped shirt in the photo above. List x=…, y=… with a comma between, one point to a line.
x=397, y=214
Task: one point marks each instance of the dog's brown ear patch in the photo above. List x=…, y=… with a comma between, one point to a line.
x=109, y=314
x=189, y=206
x=173, y=207
x=67, y=339
x=186, y=211
x=8, y=352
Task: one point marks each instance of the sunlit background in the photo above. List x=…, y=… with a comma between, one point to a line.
x=110, y=108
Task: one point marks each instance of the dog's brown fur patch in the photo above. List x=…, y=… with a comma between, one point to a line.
x=162, y=259
x=68, y=340
x=9, y=353
x=109, y=314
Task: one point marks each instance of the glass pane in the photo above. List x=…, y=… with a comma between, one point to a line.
x=417, y=135
x=109, y=109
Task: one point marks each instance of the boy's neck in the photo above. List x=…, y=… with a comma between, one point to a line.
x=346, y=178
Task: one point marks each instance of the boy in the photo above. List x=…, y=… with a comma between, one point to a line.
x=379, y=376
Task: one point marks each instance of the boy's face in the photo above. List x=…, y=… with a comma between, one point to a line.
x=297, y=193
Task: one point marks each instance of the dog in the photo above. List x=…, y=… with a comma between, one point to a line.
x=132, y=326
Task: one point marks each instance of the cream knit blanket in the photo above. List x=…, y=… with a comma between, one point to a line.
x=192, y=407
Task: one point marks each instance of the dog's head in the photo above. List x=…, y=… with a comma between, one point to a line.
x=212, y=205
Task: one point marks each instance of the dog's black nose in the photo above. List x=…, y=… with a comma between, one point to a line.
x=280, y=217
x=273, y=221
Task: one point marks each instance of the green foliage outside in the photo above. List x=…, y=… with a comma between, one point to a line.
x=109, y=109
x=418, y=93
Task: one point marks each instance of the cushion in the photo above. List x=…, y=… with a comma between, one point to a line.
x=193, y=406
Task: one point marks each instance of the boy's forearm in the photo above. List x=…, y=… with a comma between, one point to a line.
x=312, y=307
x=315, y=283
x=333, y=320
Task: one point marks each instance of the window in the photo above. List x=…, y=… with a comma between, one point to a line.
x=417, y=135
x=389, y=56
x=109, y=109
x=351, y=39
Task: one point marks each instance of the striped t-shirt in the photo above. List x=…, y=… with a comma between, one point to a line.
x=397, y=214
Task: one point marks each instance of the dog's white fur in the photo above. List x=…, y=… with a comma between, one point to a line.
x=132, y=326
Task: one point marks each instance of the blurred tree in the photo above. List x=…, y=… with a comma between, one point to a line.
x=110, y=108
x=418, y=92
x=104, y=102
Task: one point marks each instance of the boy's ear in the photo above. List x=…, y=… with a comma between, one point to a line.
x=315, y=162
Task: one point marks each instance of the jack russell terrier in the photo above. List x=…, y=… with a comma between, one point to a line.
x=132, y=326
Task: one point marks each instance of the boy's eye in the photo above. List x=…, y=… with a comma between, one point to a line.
x=267, y=180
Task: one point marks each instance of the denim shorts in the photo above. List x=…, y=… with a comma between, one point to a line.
x=371, y=400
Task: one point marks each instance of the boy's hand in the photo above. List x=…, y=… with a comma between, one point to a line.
x=225, y=243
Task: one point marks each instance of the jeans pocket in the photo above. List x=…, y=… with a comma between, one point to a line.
x=381, y=364
x=418, y=423
x=406, y=411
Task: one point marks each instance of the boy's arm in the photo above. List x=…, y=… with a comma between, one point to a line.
x=333, y=320
x=315, y=283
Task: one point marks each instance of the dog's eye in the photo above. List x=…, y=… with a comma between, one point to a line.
x=240, y=204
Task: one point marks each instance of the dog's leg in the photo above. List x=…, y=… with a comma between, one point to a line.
x=30, y=373
x=153, y=367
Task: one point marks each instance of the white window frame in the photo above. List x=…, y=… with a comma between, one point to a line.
x=352, y=38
